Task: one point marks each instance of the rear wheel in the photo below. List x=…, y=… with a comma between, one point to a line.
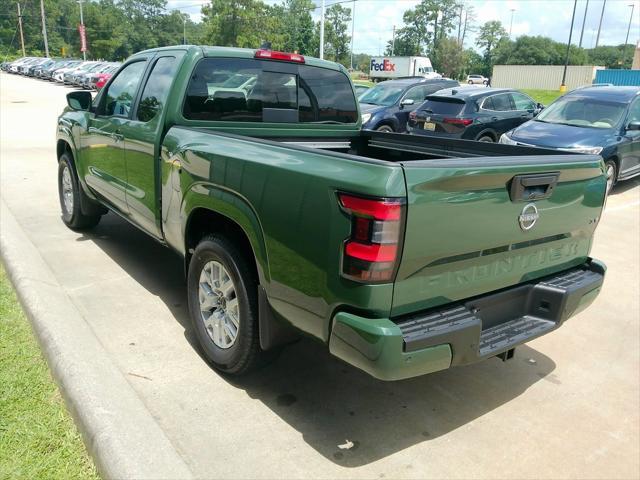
x=485, y=138
x=223, y=305
x=69, y=191
x=385, y=128
x=470, y=82
x=611, y=170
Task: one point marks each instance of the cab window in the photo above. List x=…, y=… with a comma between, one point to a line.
x=251, y=90
x=120, y=95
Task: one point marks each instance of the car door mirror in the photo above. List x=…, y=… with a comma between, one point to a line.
x=635, y=126
x=406, y=102
x=79, y=100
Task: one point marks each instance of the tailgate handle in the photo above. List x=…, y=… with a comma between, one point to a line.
x=526, y=188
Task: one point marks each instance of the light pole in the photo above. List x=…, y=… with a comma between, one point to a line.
x=353, y=24
x=604, y=4
x=84, y=51
x=626, y=40
x=563, y=87
x=584, y=21
x=322, y=30
x=44, y=29
x=511, y=24
x=184, y=28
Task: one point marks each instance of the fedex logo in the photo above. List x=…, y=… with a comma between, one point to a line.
x=385, y=66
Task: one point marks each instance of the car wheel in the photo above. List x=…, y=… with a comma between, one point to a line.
x=69, y=193
x=385, y=128
x=223, y=305
x=611, y=170
x=485, y=138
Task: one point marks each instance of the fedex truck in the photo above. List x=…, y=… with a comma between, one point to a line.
x=384, y=68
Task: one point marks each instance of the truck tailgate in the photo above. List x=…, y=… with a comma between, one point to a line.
x=471, y=227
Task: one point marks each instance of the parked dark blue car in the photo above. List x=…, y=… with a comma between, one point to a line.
x=386, y=106
x=472, y=113
x=600, y=120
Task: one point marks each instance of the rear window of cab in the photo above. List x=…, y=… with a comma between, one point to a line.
x=253, y=90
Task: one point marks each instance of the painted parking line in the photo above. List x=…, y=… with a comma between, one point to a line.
x=622, y=207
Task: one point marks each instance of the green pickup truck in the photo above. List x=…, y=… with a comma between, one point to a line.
x=404, y=255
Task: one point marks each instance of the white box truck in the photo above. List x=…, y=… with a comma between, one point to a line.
x=384, y=68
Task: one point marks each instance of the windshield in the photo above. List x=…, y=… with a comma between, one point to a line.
x=383, y=95
x=581, y=111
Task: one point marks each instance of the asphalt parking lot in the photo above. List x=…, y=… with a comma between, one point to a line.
x=567, y=405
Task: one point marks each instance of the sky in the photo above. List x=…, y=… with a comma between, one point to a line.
x=374, y=19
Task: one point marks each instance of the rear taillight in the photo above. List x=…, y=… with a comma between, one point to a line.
x=283, y=56
x=459, y=121
x=372, y=251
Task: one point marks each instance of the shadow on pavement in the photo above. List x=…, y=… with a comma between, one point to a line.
x=624, y=186
x=330, y=403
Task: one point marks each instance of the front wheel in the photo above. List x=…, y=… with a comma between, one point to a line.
x=69, y=191
x=223, y=305
x=385, y=128
x=611, y=170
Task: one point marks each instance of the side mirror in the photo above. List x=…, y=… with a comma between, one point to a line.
x=407, y=101
x=79, y=100
x=633, y=126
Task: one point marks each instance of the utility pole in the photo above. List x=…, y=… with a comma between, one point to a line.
x=584, y=21
x=459, y=23
x=44, y=29
x=511, y=24
x=626, y=40
x=322, y=30
x=604, y=4
x=84, y=53
x=393, y=41
x=184, y=28
x=21, y=33
x=353, y=24
x=563, y=86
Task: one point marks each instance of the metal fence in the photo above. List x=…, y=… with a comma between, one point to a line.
x=618, y=77
x=542, y=77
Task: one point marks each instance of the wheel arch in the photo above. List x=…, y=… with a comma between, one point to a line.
x=236, y=220
x=487, y=133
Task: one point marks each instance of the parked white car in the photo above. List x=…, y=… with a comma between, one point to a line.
x=477, y=80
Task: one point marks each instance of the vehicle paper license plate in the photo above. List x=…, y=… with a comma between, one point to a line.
x=429, y=126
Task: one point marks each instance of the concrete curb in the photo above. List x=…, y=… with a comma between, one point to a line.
x=120, y=433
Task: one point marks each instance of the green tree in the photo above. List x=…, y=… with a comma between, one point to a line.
x=449, y=58
x=488, y=37
x=298, y=27
x=243, y=23
x=336, y=24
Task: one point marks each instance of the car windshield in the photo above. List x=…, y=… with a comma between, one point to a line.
x=383, y=95
x=580, y=111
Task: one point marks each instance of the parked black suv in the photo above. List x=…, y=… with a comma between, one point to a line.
x=472, y=113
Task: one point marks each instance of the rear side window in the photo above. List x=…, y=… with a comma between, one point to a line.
x=156, y=90
x=442, y=106
x=499, y=103
x=248, y=90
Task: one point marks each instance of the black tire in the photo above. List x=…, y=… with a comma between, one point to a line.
x=611, y=171
x=72, y=215
x=385, y=128
x=245, y=353
x=485, y=138
x=470, y=82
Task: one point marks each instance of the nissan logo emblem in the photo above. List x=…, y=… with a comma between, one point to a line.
x=528, y=217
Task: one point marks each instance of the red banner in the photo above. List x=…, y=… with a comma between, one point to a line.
x=83, y=37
